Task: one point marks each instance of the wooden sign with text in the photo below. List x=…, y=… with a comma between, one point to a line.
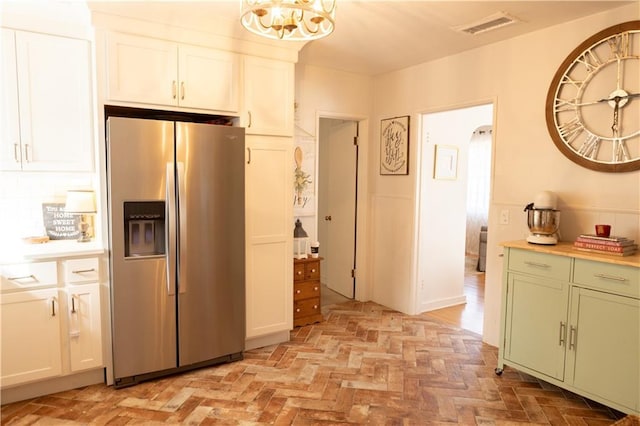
x=59, y=224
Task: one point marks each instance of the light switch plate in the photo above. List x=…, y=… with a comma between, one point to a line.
x=504, y=217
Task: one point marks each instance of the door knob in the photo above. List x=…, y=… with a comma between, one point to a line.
x=327, y=218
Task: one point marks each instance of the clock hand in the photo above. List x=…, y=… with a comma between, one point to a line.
x=616, y=109
x=629, y=95
x=599, y=101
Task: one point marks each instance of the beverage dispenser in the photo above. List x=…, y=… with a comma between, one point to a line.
x=144, y=228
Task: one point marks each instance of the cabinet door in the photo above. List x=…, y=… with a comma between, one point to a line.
x=209, y=79
x=10, y=148
x=142, y=70
x=604, y=346
x=55, y=102
x=269, y=235
x=536, y=320
x=268, y=96
x=31, y=347
x=85, y=330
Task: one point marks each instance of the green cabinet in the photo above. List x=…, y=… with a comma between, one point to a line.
x=603, y=357
x=537, y=317
x=574, y=323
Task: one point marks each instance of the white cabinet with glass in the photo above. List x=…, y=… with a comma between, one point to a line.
x=573, y=320
x=47, y=110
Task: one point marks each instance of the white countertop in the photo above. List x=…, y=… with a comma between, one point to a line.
x=19, y=251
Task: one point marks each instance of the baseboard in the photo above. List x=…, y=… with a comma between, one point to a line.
x=443, y=303
x=49, y=386
x=268, y=340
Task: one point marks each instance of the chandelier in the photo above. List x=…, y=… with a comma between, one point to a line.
x=298, y=20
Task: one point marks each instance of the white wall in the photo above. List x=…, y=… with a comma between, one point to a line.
x=516, y=74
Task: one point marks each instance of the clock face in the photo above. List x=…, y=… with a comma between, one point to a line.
x=593, y=103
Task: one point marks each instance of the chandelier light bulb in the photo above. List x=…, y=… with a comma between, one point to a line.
x=297, y=20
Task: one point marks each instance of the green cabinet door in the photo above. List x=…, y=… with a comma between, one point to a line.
x=535, y=327
x=603, y=356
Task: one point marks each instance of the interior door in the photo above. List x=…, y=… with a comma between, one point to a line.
x=337, y=204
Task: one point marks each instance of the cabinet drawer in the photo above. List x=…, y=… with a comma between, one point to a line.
x=298, y=271
x=306, y=290
x=303, y=308
x=24, y=276
x=312, y=270
x=540, y=264
x=609, y=277
x=81, y=270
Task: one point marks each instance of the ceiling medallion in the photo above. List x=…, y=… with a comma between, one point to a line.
x=296, y=20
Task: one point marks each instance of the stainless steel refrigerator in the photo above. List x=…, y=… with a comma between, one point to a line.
x=177, y=251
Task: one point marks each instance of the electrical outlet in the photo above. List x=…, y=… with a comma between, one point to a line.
x=504, y=217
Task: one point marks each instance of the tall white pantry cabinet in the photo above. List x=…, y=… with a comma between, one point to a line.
x=148, y=71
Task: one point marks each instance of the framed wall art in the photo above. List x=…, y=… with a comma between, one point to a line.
x=445, y=164
x=394, y=146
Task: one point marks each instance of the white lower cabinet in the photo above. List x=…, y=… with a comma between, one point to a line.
x=573, y=322
x=54, y=331
x=84, y=327
x=31, y=344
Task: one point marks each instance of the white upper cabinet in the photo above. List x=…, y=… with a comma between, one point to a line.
x=151, y=71
x=209, y=79
x=47, y=116
x=142, y=70
x=11, y=154
x=268, y=96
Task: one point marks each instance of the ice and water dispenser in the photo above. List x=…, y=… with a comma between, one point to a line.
x=144, y=228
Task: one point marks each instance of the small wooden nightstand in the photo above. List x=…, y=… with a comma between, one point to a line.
x=306, y=291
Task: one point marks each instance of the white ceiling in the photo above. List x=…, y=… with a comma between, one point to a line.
x=374, y=37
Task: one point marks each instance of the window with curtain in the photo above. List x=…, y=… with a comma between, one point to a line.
x=478, y=186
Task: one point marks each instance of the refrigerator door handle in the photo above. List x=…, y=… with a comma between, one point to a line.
x=182, y=230
x=170, y=229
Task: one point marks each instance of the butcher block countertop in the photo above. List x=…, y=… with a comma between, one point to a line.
x=567, y=249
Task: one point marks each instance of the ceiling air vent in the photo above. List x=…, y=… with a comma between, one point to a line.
x=489, y=23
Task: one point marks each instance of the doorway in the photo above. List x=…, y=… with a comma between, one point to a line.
x=337, y=206
x=450, y=285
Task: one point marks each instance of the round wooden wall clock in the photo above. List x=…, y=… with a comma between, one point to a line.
x=593, y=103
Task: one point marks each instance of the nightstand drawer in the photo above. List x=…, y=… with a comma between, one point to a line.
x=540, y=264
x=306, y=290
x=608, y=277
x=306, y=307
x=298, y=271
x=312, y=270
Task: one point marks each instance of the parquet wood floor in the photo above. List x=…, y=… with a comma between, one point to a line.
x=365, y=364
